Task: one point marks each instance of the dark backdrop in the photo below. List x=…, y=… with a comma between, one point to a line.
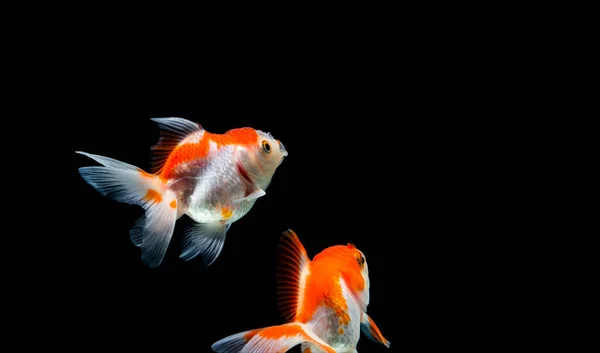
x=343, y=181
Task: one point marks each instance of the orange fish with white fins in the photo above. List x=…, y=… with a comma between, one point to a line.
x=325, y=301
x=215, y=179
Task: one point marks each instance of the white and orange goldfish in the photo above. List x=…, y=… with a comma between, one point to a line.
x=324, y=299
x=215, y=179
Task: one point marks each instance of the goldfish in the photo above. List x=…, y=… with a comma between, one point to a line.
x=324, y=301
x=215, y=179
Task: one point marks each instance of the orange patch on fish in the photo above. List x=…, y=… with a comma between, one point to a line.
x=226, y=212
x=191, y=151
x=248, y=336
x=242, y=136
x=307, y=350
x=153, y=196
x=173, y=204
x=323, y=285
x=148, y=175
x=184, y=153
x=342, y=313
x=341, y=331
x=375, y=332
x=275, y=332
x=315, y=296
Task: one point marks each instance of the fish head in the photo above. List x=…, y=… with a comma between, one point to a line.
x=358, y=267
x=352, y=264
x=270, y=152
x=361, y=261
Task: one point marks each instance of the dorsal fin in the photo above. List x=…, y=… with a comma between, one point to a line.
x=172, y=132
x=292, y=268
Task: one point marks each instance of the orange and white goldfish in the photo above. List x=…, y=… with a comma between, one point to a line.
x=215, y=179
x=325, y=301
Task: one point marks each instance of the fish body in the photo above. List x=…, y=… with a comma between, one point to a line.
x=324, y=300
x=215, y=179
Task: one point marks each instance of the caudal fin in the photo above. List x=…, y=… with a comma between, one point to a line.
x=129, y=184
x=270, y=339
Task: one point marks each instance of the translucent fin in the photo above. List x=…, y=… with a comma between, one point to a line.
x=369, y=329
x=172, y=132
x=118, y=180
x=271, y=339
x=234, y=343
x=109, y=162
x=206, y=239
x=254, y=195
x=137, y=231
x=158, y=229
x=291, y=271
x=128, y=184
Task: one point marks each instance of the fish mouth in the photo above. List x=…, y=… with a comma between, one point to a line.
x=282, y=149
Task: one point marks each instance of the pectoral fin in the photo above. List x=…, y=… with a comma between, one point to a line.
x=254, y=195
x=368, y=327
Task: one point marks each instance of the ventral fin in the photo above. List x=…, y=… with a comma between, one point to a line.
x=292, y=268
x=172, y=132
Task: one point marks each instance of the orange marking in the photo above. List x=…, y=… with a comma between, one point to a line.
x=153, y=196
x=275, y=332
x=283, y=331
x=242, y=136
x=251, y=334
x=192, y=151
x=341, y=331
x=322, y=284
x=307, y=350
x=173, y=204
x=184, y=153
x=291, y=254
x=376, y=333
x=148, y=175
x=226, y=212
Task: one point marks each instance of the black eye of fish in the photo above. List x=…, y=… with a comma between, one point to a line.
x=361, y=260
x=266, y=146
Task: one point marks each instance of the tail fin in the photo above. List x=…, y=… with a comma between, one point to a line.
x=270, y=339
x=128, y=184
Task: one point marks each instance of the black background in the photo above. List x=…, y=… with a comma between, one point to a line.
x=388, y=127
x=343, y=181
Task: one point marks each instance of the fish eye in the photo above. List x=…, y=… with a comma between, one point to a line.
x=360, y=259
x=266, y=146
